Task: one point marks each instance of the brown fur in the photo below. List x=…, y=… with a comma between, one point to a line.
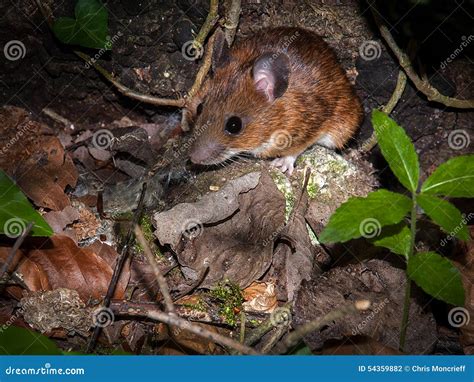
x=319, y=98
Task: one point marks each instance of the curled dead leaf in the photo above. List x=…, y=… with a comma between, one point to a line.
x=225, y=235
x=260, y=297
x=58, y=262
x=36, y=161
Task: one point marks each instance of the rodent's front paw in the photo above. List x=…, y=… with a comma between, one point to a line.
x=285, y=164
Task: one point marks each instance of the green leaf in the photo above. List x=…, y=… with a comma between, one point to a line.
x=301, y=349
x=365, y=216
x=88, y=29
x=16, y=211
x=120, y=351
x=452, y=178
x=20, y=341
x=397, y=238
x=443, y=213
x=397, y=149
x=437, y=276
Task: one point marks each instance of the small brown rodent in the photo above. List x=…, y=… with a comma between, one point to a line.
x=274, y=95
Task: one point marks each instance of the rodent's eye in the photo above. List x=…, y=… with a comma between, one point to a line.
x=233, y=126
x=199, y=109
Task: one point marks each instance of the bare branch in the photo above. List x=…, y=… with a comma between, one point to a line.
x=422, y=85
x=232, y=21
x=159, y=277
x=119, y=266
x=174, y=320
x=211, y=20
x=388, y=108
x=294, y=337
x=204, y=69
x=129, y=92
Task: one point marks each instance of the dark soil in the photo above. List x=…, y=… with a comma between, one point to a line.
x=147, y=58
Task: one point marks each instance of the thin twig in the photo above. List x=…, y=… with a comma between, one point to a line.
x=144, y=310
x=211, y=20
x=180, y=102
x=159, y=276
x=11, y=255
x=57, y=117
x=199, y=331
x=232, y=21
x=299, y=333
x=118, y=266
x=263, y=328
x=275, y=337
x=302, y=196
x=406, y=301
x=204, y=69
x=209, y=315
x=204, y=333
x=242, y=327
x=388, y=108
x=423, y=86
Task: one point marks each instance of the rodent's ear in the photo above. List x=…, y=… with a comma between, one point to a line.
x=270, y=74
x=220, y=53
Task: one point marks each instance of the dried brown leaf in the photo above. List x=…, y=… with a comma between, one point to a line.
x=260, y=297
x=233, y=238
x=59, y=263
x=36, y=161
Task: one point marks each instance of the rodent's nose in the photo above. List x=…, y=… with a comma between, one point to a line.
x=205, y=153
x=197, y=156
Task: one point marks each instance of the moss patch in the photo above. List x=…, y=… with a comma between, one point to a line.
x=147, y=229
x=230, y=297
x=284, y=186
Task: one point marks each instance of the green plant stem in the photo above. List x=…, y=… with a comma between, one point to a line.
x=406, y=311
x=406, y=304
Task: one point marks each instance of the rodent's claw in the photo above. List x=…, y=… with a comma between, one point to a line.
x=285, y=164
